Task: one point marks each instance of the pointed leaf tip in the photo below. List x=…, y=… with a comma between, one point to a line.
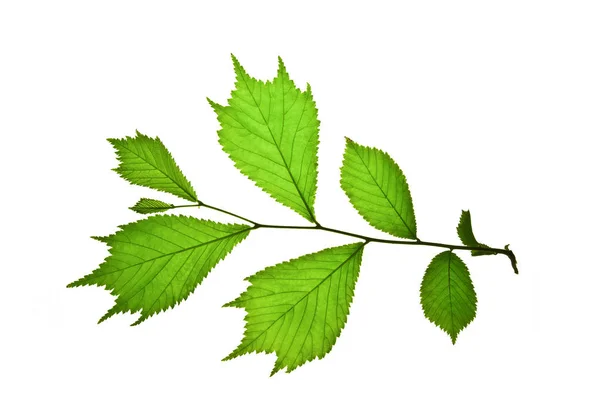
x=281, y=70
x=106, y=316
x=237, y=67
x=99, y=238
x=230, y=304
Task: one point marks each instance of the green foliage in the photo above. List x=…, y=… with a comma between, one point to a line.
x=465, y=233
x=377, y=188
x=270, y=130
x=156, y=263
x=447, y=294
x=149, y=206
x=295, y=309
x=147, y=162
x=298, y=308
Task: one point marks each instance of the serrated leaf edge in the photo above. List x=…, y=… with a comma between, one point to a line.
x=239, y=70
x=235, y=353
x=353, y=144
x=82, y=282
x=453, y=336
x=191, y=196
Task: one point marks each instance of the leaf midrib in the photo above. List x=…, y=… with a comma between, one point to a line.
x=173, y=253
x=453, y=334
x=155, y=207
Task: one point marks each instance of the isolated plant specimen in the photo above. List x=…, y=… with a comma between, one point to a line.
x=297, y=308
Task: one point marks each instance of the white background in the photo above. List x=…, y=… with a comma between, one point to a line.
x=487, y=106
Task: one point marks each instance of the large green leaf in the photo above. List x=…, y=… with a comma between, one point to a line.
x=447, y=294
x=149, y=206
x=270, y=130
x=156, y=263
x=298, y=308
x=465, y=233
x=146, y=161
x=377, y=188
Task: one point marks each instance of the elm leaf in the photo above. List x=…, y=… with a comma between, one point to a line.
x=378, y=190
x=270, y=131
x=146, y=161
x=156, y=263
x=149, y=206
x=298, y=308
x=447, y=294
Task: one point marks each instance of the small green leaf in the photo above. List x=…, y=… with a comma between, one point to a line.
x=447, y=294
x=156, y=263
x=465, y=233
x=149, y=206
x=298, y=308
x=147, y=162
x=270, y=131
x=377, y=188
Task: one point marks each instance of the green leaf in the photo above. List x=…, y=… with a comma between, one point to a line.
x=465, y=233
x=270, y=130
x=298, y=308
x=147, y=162
x=447, y=294
x=156, y=263
x=149, y=206
x=377, y=188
